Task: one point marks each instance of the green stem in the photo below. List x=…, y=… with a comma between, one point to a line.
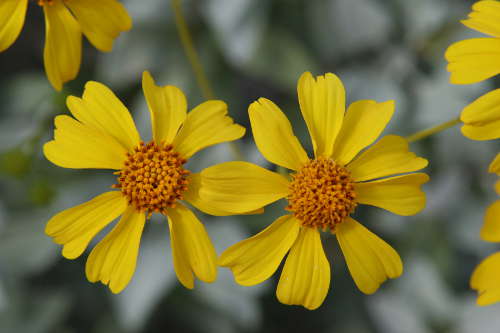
x=187, y=43
x=433, y=130
x=201, y=78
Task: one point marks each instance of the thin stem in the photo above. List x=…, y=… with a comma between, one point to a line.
x=187, y=43
x=201, y=78
x=433, y=130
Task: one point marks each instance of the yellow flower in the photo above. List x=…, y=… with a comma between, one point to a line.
x=485, y=277
x=101, y=21
x=481, y=118
x=322, y=194
x=477, y=59
x=151, y=178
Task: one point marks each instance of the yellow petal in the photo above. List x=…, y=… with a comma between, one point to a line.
x=101, y=20
x=12, y=14
x=363, y=123
x=495, y=165
x=192, y=249
x=485, y=17
x=481, y=118
x=78, y=146
x=305, y=279
x=400, y=195
x=192, y=195
x=497, y=187
x=101, y=109
x=473, y=60
x=490, y=231
x=235, y=187
x=370, y=260
x=167, y=106
x=75, y=227
x=113, y=260
x=322, y=102
x=485, y=280
x=274, y=136
x=255, y=259
x=389, y=156
x=63, y=44
x=206, y=125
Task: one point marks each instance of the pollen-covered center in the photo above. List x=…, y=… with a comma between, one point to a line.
x=321, y=194
x=45, y=2
x=153, y=178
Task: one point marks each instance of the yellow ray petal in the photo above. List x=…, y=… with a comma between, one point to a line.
x=473, y=60
x=485, y=280
x=101, y=109
x=192, y=249
x=389, y=156
x=63, y=44
x=101, y=20
x=490, y=231
x=305, y=279
x=206, y=125
x=12, y=14
x=370, y=260
x=481, y=118
x=495, y=165
x=192, y=195
x=400, y=195
x=167, y=106
x=255, y=259
x=113, y=260
x=235, y=187
x=274, y=136
x=485, y=17
x=78, y=146
x=76, y=226
x=322, y=102
x=363, y=123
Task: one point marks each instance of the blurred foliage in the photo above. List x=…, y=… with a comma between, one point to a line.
x=381, y=49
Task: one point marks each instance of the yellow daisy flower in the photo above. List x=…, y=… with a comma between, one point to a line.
x=151, y=178
x=481, y=118
x=485, y=277
x=322, y=193
x=477, y=59
x=101, y=21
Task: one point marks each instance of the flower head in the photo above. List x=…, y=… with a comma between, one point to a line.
x=477, y=59
x=151, y=178
x=65, y=20
x=322, y=192
x=485, y=277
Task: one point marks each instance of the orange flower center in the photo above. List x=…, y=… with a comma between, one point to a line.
x=153, y=178
x=321, y=194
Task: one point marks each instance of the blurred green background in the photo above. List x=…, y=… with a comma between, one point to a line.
x=381, y=49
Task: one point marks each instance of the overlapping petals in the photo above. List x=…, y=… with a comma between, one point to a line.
x=305, y=279
x=485, y=17
x=113, y=260
x=485, y=280
x=12, y=15
x=192, y=249
x=235, y=187
x=322, y=103
x=63, y=44
x=80, y=146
